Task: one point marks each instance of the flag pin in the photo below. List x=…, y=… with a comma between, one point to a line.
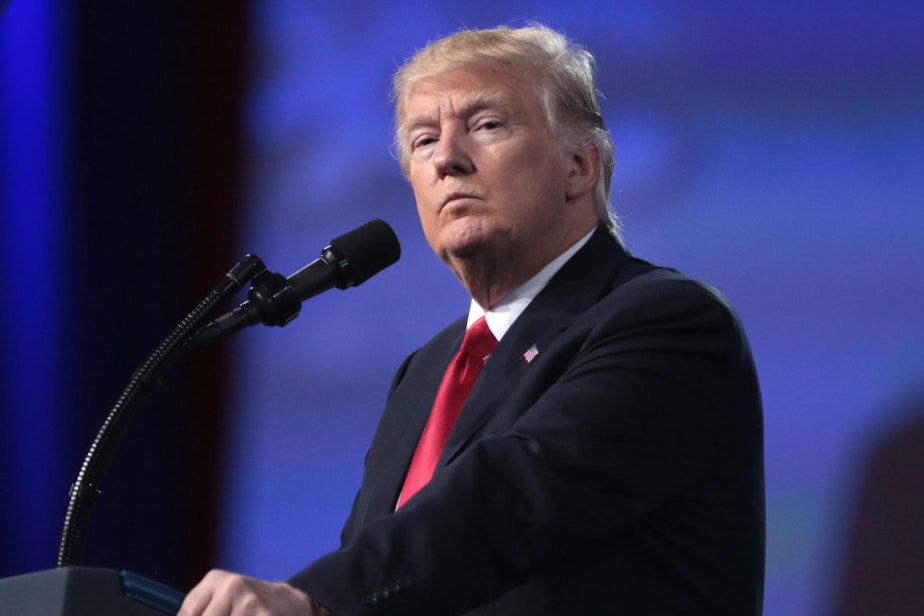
x=531, y=354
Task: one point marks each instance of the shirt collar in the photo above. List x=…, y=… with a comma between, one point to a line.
x=501, y=317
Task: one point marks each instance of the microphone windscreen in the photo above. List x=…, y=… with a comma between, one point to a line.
x=366, y=250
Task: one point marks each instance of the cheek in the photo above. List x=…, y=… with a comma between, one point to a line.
x=427, y=218
x=534, y=183
x=532, y=165
x=422, y=196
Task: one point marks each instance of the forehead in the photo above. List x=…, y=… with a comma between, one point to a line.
x=466, y=91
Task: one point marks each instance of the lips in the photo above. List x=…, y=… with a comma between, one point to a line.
x=456, y=197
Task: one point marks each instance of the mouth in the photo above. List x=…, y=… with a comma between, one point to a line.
x=456, y=199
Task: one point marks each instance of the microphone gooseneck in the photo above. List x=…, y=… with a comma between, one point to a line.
x=273, y=299
x=85, y=489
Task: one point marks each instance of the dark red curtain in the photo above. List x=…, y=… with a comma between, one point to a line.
x=156, y=173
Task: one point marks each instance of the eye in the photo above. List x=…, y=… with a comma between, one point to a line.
x=489, y=125
x=422, y=141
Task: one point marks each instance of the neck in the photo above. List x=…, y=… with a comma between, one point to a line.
x=490, y=275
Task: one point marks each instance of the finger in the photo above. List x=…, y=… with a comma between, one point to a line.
x=198, y=599
x=195, y=602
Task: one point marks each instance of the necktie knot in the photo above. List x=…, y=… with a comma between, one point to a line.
x=479, y=342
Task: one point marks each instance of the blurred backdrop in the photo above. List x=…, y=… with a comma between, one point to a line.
x=774, y=150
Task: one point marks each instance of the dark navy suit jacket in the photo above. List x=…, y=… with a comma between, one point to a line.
x=620, y=471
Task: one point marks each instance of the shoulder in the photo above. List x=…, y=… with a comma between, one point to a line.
x=643, y=286
x=654, y=303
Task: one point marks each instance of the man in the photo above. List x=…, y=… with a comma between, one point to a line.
x=608, y=459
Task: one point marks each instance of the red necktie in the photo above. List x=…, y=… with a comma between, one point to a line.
x=464, y=368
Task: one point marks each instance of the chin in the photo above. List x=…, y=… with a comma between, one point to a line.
x=464, y=238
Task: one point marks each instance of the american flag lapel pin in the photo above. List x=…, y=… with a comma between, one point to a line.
x=531, y=354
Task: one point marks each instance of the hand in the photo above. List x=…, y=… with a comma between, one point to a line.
x=221, y=593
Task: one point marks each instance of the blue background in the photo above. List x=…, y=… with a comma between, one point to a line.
x=774, y=150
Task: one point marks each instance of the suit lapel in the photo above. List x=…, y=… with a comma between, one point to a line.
x=404, y=418
x=574, y=289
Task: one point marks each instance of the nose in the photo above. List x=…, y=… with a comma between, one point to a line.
x=451, y=156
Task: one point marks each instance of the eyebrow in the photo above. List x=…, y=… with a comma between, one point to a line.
x=477, y=102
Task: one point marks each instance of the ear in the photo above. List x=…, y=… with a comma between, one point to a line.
x=583, y=171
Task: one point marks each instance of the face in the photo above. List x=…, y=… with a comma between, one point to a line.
x=490, y=179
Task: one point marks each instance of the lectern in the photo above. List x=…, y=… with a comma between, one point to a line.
x=86, y=591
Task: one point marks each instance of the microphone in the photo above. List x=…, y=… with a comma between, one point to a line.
x=348, y=261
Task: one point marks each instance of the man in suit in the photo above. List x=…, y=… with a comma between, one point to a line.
x=608, y=458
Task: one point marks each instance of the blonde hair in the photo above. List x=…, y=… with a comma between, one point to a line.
x=565, y=70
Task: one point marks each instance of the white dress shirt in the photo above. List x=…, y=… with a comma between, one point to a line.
x=506, y=311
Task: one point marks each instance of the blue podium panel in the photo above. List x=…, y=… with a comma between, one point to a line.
x=86, y=591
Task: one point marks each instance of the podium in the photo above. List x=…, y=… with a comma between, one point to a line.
x=86, y=591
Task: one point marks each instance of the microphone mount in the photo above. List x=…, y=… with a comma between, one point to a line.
x=348, y=261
